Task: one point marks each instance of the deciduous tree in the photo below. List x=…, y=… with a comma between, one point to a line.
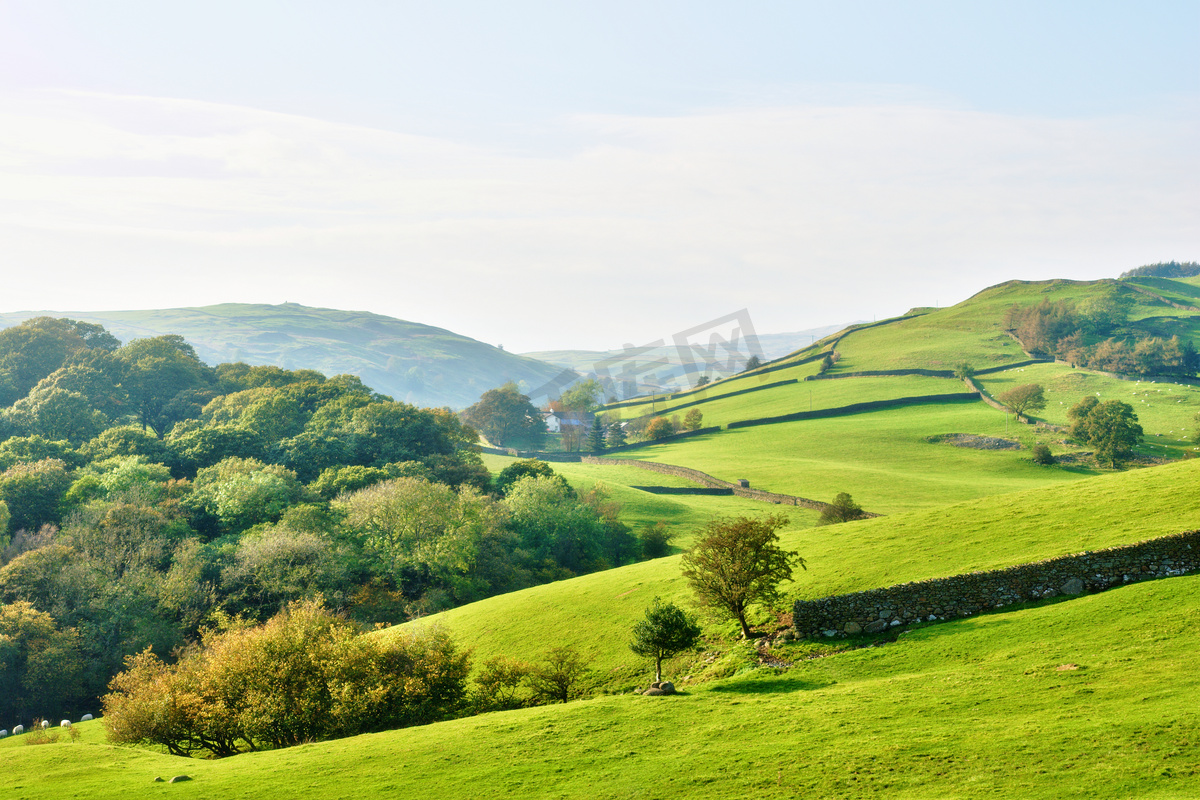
x=738, y=562
x=665, y=630
x=1020, y=399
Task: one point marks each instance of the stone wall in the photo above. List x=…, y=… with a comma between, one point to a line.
x=877, y=610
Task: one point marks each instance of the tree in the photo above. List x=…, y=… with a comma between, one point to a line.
x=693, y=419
x=738, y=562
x=506, y=417
x=964, y=370
x=596, y=436
x=842, y=509
x=1027, y=397
x=664, y=631
x=525, y=468
x=41, y=665
x=1111, y=427
x=753, y=362
x=157, y=370
x=616, y=434
x=557, y=677
x=583, y=397
x=659, y=428
x=33, y=492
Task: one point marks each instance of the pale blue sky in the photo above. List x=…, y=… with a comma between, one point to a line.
x=618, y=171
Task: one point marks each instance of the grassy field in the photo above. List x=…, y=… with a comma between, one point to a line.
x=883, y=458
x=817, y=395
x=1089, y=698
x=1166, y=410
x=595, y=612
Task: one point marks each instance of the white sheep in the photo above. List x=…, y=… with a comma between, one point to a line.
x=45, y=724
x=3, y=733
x=66, y=723
x=85, y=717
x=18, y=730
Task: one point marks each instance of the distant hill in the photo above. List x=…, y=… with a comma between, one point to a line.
x=662, y=369
x=415, y=363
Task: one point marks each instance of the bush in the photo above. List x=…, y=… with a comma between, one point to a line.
x=842, y=509
x=1042, y=455
x=306, y=675
x=655, y=539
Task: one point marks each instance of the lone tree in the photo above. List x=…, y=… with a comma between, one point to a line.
x=666, y=630
x=738, y=561
x=1111, y=427
x=753, y=362
x=557, y=677
x=1019, y=399
x=842, y=509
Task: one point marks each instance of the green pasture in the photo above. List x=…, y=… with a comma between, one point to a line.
x=1087, y=698
x=595, y=612
x=713, y=393
x=819, y=394
x=1166, y=409
x=882, y=458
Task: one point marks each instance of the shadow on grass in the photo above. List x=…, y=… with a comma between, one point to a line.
x=767, y=685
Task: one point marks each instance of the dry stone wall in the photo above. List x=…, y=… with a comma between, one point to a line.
x=877, y=610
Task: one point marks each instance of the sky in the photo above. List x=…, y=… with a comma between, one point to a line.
x=560, y=174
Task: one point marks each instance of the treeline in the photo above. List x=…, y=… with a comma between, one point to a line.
x=1095, y=334
x=145, y=497
x=1164, y=269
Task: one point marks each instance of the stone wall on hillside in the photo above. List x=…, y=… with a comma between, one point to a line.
x=876, y=610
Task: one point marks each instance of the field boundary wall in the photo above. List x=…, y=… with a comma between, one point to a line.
x=877, y=610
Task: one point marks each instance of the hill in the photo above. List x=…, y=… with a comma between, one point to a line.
x=662, y=368
x=417, y=364
x=1088, y=697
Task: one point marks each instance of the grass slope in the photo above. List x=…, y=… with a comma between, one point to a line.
x=970, y=708
x=595, y=612
x=882, y=458
x=1166, y=409
x=419, y=364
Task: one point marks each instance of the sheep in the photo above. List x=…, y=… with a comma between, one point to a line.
x=3, y=733
x=85, y=717
x=66, y=723
x=45, y=724
x=18, y=730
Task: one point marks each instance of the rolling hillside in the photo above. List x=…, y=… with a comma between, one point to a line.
x=414, y=363
x=1088, y=697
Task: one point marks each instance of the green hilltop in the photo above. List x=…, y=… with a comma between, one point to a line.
x=414, y=363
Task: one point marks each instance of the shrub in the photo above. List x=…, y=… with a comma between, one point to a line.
x=655, y=539
x=1042, y=455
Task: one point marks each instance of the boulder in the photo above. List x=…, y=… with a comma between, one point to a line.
x=180, y=779
x=852, y=628
x=877, y=626
x=667, y=687
x=653, y=691
x=1073, y=586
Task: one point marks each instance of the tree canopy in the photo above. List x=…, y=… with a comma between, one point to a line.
x=738, y=562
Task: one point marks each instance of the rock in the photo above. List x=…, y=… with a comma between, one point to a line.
x=829, y=633
x=157, y=780
x=667, y=687
x=180, y=779
x=1073, y=586
x=653, y=691
x=877, y=626
x=852, y=628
